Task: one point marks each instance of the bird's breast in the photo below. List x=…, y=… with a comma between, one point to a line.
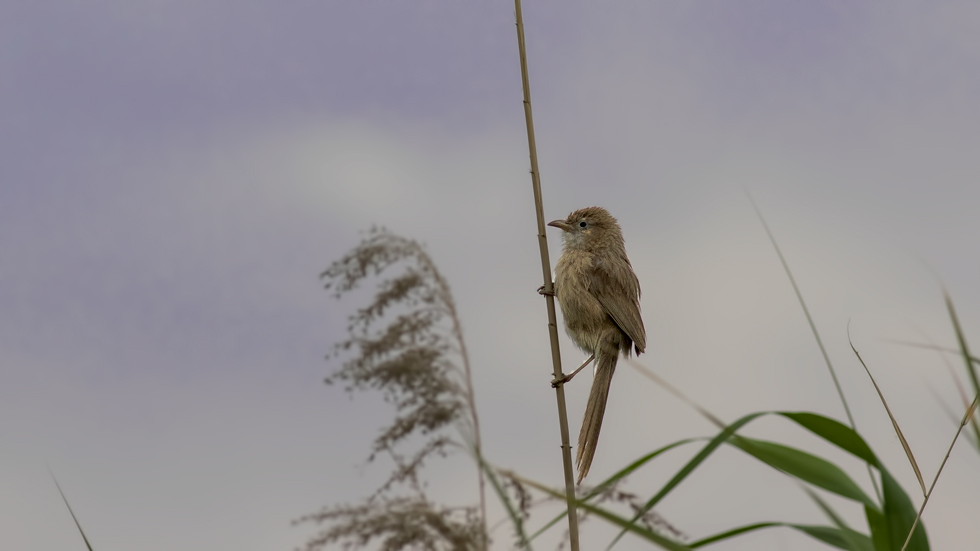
x=585, y=318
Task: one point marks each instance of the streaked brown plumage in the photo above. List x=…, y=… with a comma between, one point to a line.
x=600, y=301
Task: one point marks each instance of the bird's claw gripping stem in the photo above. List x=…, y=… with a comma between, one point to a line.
x=558, y=381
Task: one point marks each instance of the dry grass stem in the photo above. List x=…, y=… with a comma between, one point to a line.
x=966, y=419
x=548, y=287
x=967, y=416
x=898, y=430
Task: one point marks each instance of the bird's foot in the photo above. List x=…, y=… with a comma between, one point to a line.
x=543, y=292
x=558, y=381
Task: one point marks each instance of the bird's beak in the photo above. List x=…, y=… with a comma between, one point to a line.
x=560, y=224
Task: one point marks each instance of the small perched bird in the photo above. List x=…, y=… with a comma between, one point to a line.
x=600, y=301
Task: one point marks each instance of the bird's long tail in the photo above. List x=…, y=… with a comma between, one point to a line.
x=588, y=437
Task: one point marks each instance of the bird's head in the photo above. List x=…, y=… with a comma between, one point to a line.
x=589, y=228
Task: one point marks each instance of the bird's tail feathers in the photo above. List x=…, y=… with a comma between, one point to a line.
x=588, y=437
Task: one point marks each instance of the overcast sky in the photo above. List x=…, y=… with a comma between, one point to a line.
x=175, y=175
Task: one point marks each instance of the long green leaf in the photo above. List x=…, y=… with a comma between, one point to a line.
x=897, y=513
x=879, y=528
x=830, y=430
x=839, y=538
x=734, y=532
x=827, y=534
x=899, y=516
x=804, y=466
x=845, y=537
x=835, y=432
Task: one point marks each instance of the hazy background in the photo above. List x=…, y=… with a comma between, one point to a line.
x=175, y=175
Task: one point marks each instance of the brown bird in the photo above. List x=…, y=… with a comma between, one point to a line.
x=600, y=301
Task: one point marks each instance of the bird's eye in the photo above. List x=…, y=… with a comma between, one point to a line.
x=582, y=224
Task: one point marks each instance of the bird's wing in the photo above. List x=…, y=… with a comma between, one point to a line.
x=620, y=297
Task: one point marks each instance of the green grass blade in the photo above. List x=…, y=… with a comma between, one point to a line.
x=961, y=339
x=811, y=469
x=964, y=350
x=835, y=432
x=734, y=532
x=708, y=449
x=804, y=466
x=628, y=525
x=629, y=469
x=879, y=528
x=622, y=473
x=548, y=525
x=837, y=537
x=848, y=538
x=515, y=517
x=827, y=534
x=900, y=515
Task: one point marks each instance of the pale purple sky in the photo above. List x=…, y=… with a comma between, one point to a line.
x=175, y=175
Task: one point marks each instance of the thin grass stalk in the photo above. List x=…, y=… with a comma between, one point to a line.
x=888, y=410
x=965, y=351
x=959, y=386
x=966, y=419
x=973, y=361
x=477, y=443
x=961, y=339
x=813, y=328
x=72, y=513
x=515, y=515
x=471, y=401
x=549, y=288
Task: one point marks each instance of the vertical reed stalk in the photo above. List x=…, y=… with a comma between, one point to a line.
x=566, y=448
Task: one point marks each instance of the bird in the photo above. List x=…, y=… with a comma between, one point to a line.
x=599, y=295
